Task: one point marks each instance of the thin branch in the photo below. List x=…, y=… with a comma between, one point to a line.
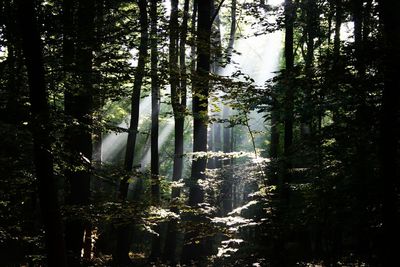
x=216, y=12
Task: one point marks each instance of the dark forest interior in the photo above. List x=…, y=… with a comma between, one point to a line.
x=199, y=133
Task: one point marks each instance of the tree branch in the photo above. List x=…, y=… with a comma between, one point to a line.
x=216, y=12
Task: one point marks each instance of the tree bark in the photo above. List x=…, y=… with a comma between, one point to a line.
x=155, y=106
x=195, y=251
x=289, y=63
x=43, y=159
x=200, y=100
x=135, y=98
x=390, y=131
x=78, y=108
x=124, y=233
x=176, y=88
x=226, y=190
x=338, y=24
x=155, y=110
x=178, y=99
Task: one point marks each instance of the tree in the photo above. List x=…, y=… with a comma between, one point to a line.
x=123, y=233
x=178, y=101
x=178, y=81
x=200, y=117
x=228, y=130
x=155, y=106
x=43, y=159
x=135, y=98
x=155, y=110
x=390, y=131
x=200, y=100
x=289, y=64
x=78, y=109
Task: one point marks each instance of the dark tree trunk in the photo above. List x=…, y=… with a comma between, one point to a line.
x=155, y=110
x=289, y=63
x=226, y=190
x=274, y=141
x=307, y=125
x=362, y=168
x=155, y=106
x=43, y=160
x=78, y=107
x=178, y=95
x=200, y=119
x=124, y=233
x=289, y=97
x=200, y=100
x=98, y=100
x=135, y=99
x=176, y=88
x=216, y=50
x=390, y=131
x=338, y=24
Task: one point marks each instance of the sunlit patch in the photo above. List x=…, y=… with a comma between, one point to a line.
x=347, y=31
x=113, y=143
x=163, y=137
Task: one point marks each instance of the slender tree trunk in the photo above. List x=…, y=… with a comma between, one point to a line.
x=215, y=128
x=178, y=90
x=307, y=125
x=390, y=131
x=43, y=160
x=155, y=110
x=210, y=146
x=78, y=106
x=226, y=190
x=361, y=167
x=338, y=24
x=289, y=63
x=124, y=234
x=179, y=106
x=200, y=119
x=155, y=106
x=98, y=100
x=289, y=94
x=135, y=98
x=200, y=101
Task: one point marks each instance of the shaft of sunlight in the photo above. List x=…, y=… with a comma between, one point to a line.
x=163, y=136
x=113, y=143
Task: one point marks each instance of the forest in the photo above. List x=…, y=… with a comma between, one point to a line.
x=199, y=133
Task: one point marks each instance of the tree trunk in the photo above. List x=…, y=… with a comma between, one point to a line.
x=124, y=234
x=42, y=155
x=155, y=110
x=178, y=95
x=338, y=24
x=178, y=91
x=200, y=119
x=289, y=63
x=135, y=99
x=390, y=130
x=98, y=100
x=78, y=106
x=155, y=106
x=200, y=101
x=289, y=97
x=226, y=190
x=215, y=127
